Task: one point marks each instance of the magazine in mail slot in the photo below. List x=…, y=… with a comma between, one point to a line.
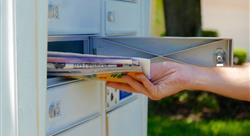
x=85, y=66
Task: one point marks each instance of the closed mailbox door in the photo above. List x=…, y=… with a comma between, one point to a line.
x=85, y=13
x=71, y=104
x=122, y=17
x=198, y=51
x=126, y=120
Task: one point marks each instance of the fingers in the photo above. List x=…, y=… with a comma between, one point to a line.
x=124, y=87
x=151, y=90
x=130, y=85
x=136, y=85
x=143, y=79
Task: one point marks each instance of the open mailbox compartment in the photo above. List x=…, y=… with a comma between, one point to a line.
x=197, y=50
x=193, y=50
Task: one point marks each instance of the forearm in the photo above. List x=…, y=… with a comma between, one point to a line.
x=230, y=82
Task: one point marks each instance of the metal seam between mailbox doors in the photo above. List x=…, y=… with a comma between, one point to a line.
x=75, y=124
x=131, y=1
x=55, y=38
x=63, y=83
x=121, y=33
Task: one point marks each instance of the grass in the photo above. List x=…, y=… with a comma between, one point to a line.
x=163, y=126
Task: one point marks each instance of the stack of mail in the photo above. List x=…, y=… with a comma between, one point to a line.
x=83, y=65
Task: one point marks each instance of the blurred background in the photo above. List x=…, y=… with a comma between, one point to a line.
x=200, y=113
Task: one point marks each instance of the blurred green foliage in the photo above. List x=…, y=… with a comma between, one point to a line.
x=157, y=24
x=209, y=33
x=208, y=101
x=186, y=103
x=163, y=126
x=208, y=105
x=240, y=56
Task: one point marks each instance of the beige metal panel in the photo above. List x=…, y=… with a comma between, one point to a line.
x=31, y=53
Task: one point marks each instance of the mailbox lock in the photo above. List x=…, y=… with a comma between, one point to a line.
x=112, y=97
x=111, y=16
x=220, y=57
x=54, y=110
x=53, y=11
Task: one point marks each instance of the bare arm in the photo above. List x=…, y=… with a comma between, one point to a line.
x=231, y=82
x=169, y=78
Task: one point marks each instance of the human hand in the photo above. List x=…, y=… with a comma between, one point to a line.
x=167, y=78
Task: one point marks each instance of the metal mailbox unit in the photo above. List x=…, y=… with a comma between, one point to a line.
x=52, y=106
x=117, y=28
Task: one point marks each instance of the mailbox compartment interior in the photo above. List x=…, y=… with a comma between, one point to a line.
x=69, y=43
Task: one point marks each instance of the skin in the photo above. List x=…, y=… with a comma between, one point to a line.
x=169, y=78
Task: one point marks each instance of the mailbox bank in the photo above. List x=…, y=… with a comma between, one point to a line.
x=55, y=106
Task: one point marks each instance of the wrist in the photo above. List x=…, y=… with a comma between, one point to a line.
x=202, y=78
